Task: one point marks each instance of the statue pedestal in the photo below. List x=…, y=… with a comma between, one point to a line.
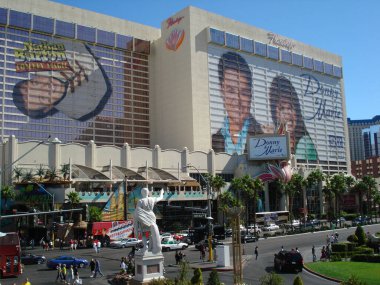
x=148, y=267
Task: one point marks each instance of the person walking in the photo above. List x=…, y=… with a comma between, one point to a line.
x=75, y=269
x=64, y=273
x=70, y=275
x=123, y=266
x=256, y=251
x=59, y=273
x=176, y=257
x=313, y=253
x=92, y=267
x=97, y=268
x=95, y=245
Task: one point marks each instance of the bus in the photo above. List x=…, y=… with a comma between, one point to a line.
x=10, y=255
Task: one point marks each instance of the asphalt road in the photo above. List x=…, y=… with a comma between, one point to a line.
x=253, y=270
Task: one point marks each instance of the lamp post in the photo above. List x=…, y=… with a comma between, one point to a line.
x=209, y=217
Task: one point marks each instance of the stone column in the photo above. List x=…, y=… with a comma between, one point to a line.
x=91, y=154
x=157, y=157
x=126, y=156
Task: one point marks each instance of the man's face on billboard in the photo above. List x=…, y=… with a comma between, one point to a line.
x=237, y=95
x=41, y=93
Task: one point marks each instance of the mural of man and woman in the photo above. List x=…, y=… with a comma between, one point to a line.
x=236, y=90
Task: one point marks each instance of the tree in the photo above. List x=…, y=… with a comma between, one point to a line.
x=183, y=278
x=28, y=176
x=329, y=196
x=217, y=183
x=18, y=173
x=40, y=172
x=360, y=189
x=338, y=187
x=65, y=170
x=197, y=278
x=74, y=199
x=315, y=177
x=95, y=214
x=353, y=280
x=51, y=174
x=7, y=193
x=371, y=184
x=359, y=232
x=298, y=280
x=292, y=188
x=213, y=278
x=271, y=279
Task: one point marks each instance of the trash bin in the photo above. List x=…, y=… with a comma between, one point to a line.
x=223, y=256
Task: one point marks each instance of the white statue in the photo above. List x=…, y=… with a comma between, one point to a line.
x=145, y=221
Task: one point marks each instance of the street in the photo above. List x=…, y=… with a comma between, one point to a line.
x=253, y=270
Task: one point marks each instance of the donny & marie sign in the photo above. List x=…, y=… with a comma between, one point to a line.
x=267, y=147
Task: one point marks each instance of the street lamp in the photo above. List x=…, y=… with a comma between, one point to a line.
x=209, y=217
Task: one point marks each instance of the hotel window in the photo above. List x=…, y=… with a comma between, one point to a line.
x=3, y=16
x=286, y=56
x=307, y=62
x=246, y=45
x=64, y=29
x=19, y=19
x=318, y=65
x=106, y=38
x=43, y=24
x=328, y=69
x=273, y=52
x=232, y=41
x=217, y=37
x=296, y=59
x=260, y=49
x=85, y=33
x=337, y=71
x=124, y=42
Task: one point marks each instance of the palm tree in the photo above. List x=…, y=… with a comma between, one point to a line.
x=292, y=188
x=256, y=185
x=18, y=173
x=40, y=172
x=315, y=177
x=28, y=176
x=338, y=186
x=329, y=194
x=51, y=174
x=376, y=201
x=360, y=189
x=65, y=170
x=95, y=214
x=7, y=193
x=74, y=199
x=371, y=190
x=217, y=183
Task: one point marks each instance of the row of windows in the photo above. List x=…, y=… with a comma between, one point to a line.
x=71, y=30
x=261, y=49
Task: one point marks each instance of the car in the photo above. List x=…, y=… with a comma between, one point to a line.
x=166, y=235
x=68, y=260
x=339, y=220
x=295, y=223
x=214, y=243
x=360, y=221
x=229, y=232
x=251, y=229
x=247, y=237
x=27, y=259
x=173, y=245
x=123, y=243
x=288, y=260
x=271, y=227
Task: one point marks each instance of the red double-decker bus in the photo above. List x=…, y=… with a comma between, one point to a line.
x=10, y=253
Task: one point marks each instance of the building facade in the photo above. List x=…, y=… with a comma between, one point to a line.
x=201, y=82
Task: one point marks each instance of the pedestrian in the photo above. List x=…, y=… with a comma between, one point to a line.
x=98, y=246
x=297, y=250
x=92, y=267
x=32, y=243
x=313, y=253
x=176, y=257
x=61, y=244
x=59, y=273
x=75, y=244
x=50, y=245
x=70, y=275
x=77, y=281
x=203, y=253
x=332, y=238
x=95, y=245
x=27, y=282
x=71, y=244
x=282, y=248
x=97, y=268
x=123, y=266
x=323, y=254
x=256, y=251
x=75, y=269
x=64, y=273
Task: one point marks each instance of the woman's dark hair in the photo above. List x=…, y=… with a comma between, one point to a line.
x=282, y=89
x=233, y=60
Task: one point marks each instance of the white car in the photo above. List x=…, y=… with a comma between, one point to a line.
x=271, y=227
x=166, y=235
x=123, y=243
x=296, y=223
x=173, y=245
x=251, y=229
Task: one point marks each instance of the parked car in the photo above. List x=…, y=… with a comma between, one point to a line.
x=296, y=223
x=361, y=220
x=339, y=220
x=123, y=243
x=247, y=237
x=173, y=245
x=288, y=260
x=27, y=259
x=166, y=235
x=271, y=227
x=204, y=242
x=68, y=260
x=252, y=229
x=229, y=232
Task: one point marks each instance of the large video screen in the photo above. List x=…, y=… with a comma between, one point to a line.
x=250, y=95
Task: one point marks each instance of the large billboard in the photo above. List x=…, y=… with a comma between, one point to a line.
x=251, y=95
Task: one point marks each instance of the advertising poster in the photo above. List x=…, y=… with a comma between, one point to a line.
x=250, y=95
x=114, y=230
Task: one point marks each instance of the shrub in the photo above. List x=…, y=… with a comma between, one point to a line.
x=161, y=281
x=353, y=280
x=352, y=238
x=359, y=232
x=271, y=279
x=335, y=257
x=213, y=278
x=183, y=278
x=364, y=250
x=197, y=279
x=297, y=281
x=350, y=217
x=339, y=247
x=366, y=258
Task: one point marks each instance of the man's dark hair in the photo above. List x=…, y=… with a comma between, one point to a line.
x=233, y=60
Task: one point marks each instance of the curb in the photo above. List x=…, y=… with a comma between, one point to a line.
x=321, y=275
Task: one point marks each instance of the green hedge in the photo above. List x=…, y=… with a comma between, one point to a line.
x=365, y=258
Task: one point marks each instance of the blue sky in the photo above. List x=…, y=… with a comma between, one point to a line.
x=349, y=28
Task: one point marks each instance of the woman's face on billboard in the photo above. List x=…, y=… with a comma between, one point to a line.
x=41, y=93
x=285, y=113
